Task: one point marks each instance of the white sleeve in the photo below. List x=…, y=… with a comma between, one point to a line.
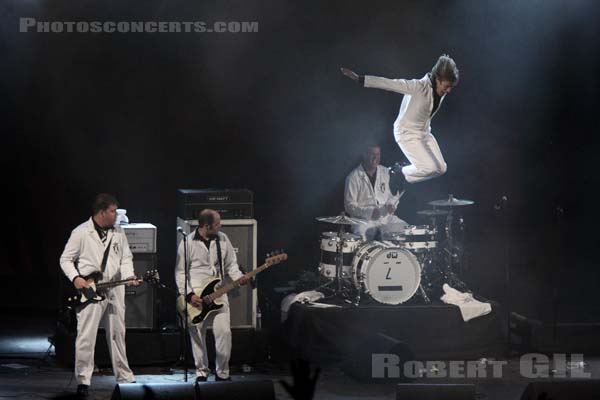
x=230, y=261
x=351, y=200
x=70, y=255
x=180, y=271
x=404, y=86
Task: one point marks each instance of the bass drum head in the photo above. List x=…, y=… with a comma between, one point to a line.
x=389, y=275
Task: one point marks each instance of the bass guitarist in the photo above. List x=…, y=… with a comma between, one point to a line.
x=210, y=255
x=98, y=248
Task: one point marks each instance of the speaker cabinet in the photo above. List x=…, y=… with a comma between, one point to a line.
x=242, y=234
x=580, y=389
x=154, y=391
x=141, y=305
x=247, y=390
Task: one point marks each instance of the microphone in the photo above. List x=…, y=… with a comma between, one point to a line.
x=180, y=230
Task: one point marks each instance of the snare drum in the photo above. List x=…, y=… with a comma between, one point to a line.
x=329, y=248
x=389, y=275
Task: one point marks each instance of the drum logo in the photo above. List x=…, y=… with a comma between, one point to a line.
x=392, y=254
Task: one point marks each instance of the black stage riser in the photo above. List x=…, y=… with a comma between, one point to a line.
x=535, y=336
x=429, y=332
x=154, y=348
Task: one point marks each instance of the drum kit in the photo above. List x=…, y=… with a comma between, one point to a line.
x=392, y=270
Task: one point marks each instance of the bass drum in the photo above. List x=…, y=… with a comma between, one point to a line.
x=389, y=275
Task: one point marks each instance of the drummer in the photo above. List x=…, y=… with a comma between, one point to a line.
x=367, y=195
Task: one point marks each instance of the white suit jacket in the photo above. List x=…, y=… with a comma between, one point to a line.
x=360, y=198
x=204, y=264
x=415, y=110
x=84, y=251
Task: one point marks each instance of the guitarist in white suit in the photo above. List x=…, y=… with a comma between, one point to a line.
x=204, y=265
x=97, y=246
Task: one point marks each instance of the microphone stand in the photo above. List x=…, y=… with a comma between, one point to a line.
x=185, y=310
x=501, y=207
x=556, y=267
x=505, y=222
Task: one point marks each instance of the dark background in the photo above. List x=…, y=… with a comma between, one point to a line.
x=141, y=115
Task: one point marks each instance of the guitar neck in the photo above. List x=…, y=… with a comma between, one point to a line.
x=230, y=286
x=106, y=285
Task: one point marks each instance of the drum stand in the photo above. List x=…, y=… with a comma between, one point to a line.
x=339, y=269
x=338, y=289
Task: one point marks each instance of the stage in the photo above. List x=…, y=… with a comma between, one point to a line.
x=31, y=369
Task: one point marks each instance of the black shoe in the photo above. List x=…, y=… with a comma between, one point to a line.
x=219, y=379
x=201, y=379
x=397, y=179
x=82, y=391
x=396, y=169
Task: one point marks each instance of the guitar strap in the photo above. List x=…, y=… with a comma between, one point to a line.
x=104, y=260
x=105, y=257
x=220, y=257
x=89, y=292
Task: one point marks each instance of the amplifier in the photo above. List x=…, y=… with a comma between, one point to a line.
x=141, y=302
x=141, y=237
x=230, y=203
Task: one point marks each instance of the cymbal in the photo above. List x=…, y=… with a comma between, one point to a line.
x=342, y=220
x=451, y=202
x=432, y=213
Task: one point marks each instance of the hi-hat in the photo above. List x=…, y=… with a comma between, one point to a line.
x=432, y=213
x=342, y=220
x=451, y=202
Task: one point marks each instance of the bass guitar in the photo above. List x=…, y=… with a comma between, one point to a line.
x=211, y=292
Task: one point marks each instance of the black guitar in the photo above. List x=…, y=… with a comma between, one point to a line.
x=93, y=294
x=210, y=294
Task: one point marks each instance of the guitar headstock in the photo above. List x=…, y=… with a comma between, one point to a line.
x=151, y=276
x=275, y=257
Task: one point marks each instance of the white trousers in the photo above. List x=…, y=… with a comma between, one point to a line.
x=383, y=225
x=112, y=313
x=221, y=327
x=423, y=152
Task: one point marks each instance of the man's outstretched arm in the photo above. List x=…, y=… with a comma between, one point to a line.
x=393, y=85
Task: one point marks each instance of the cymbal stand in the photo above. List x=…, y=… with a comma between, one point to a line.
x=426, y=260
x=448, y=228
x=448, y=270
x=426, y=298
x=339, y=266
x=339, y=262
